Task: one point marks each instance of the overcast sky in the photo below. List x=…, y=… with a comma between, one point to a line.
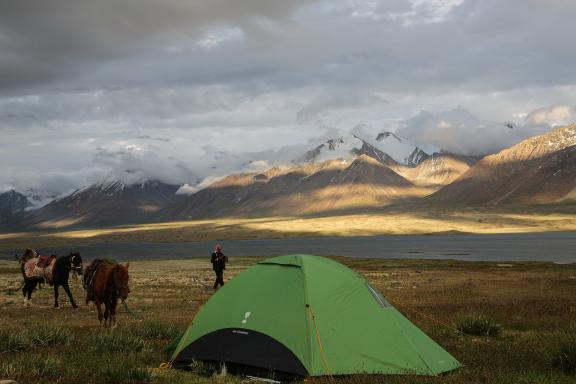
x=179, y=90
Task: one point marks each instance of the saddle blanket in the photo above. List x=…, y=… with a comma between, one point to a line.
x=34, y=269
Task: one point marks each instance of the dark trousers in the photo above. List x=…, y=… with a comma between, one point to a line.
x=219, y=278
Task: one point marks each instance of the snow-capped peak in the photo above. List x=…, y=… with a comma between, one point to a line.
x=341, y=147
x=112, y=186
x=387, y=144
x=401, y=149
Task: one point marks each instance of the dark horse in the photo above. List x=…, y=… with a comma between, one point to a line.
x=105, y=283
x=60, y=275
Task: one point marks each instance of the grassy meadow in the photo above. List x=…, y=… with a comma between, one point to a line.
x=527, y=309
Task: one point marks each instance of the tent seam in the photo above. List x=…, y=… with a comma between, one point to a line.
x=308, y=331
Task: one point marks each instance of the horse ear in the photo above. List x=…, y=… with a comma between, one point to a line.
x=127, y=265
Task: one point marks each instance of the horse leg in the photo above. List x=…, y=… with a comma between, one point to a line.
x=25, y=294
x=106, y=314
x=29, y=286
x=98, y=305
x=113, y=313
x=56, y=293
x=67, y=290
x=25, y=291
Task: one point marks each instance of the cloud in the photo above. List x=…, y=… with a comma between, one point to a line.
x=461, y=132
x=216, y=38
x=68, y=37
x=552, y=116
x=184, y=90
x=340, y=100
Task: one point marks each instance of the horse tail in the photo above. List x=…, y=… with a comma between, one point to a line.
x=22, y=270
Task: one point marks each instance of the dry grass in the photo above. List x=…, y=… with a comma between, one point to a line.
x=388, y=222
x=534, y=303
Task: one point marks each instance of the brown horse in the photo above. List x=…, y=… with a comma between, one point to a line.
x=107, y=283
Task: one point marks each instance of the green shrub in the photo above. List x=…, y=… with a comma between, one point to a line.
x=479, y=326
x=565, y=357
x=117, y=341
x=14, y=341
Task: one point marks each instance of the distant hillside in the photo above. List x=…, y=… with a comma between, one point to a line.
x=438, y=170
x=538, y=170
x=108, y=203
x=12, y=205
x=329, y=186
x=354, y=175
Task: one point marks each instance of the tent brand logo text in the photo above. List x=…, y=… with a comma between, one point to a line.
x=246, y=316
x=240, y=332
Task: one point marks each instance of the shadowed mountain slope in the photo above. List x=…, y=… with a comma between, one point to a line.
x=329, y=186
x=12, y=205
x=438, y=170
x=538, y=170
x=109, y=203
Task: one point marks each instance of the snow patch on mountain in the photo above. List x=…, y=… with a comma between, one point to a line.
x=401, y=149
x=38, y=198
x=387, y=145
x=342, y=147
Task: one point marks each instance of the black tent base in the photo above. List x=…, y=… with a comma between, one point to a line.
x=211, y=368
x=245, y=352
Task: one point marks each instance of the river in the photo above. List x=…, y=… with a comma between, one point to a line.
x=559, y=247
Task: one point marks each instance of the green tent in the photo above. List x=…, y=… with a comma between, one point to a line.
x=308, y=316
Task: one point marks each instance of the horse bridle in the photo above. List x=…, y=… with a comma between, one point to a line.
x=75, y=269
x=118, y=287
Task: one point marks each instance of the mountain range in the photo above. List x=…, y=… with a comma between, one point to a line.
x=12, y=204
x=107, y=203
x=344, y=174
x=538, y=170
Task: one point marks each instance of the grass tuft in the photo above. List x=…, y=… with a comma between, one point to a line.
x=155, y=331
x=46, y=366
x=124, y=370
x=479, y=326
x=13, y=341
x=48, y=336
x=565, y=357
x=118, y=341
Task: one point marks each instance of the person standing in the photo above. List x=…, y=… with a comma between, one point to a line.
x=218, y=261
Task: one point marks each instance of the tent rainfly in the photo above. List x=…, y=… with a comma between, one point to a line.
x=308, y=316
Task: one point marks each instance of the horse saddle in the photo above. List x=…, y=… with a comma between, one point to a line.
x=90, y=273
x=44, y=261
x=40, y=269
